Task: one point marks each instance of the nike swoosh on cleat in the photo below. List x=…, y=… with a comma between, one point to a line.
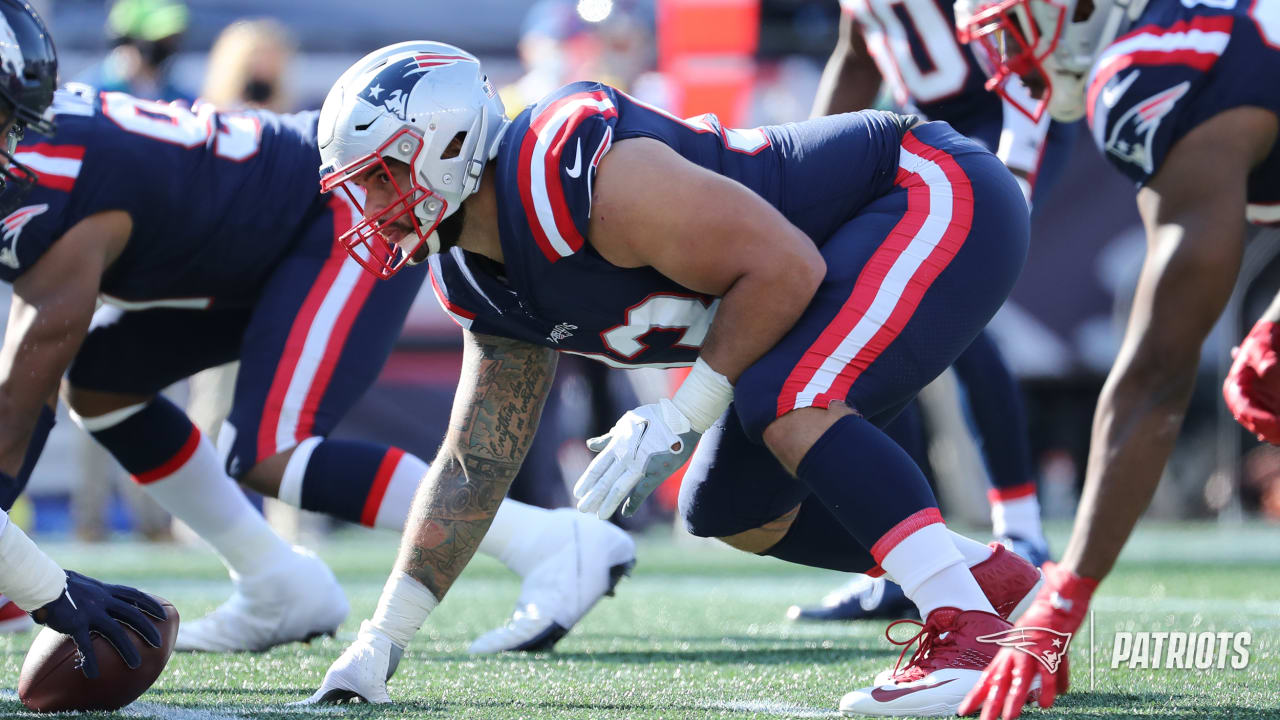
x=576, y=170
x=882, y=695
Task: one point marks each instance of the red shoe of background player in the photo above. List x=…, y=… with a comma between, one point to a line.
x=13, y=619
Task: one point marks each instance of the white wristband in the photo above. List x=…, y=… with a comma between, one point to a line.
x=403, y=607
x=28, y=577
x=703, y=396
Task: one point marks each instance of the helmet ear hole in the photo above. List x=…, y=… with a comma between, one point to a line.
x=454, y=148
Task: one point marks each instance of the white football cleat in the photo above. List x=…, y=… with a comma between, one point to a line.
x=585, y=559
x=13, y=619
x=361, y=673
x=297, y=600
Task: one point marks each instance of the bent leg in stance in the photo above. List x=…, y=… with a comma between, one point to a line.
x=318, y=337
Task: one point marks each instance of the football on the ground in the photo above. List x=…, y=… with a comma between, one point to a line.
x=51, y=680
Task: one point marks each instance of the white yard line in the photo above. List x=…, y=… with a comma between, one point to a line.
x=769, y=707
x=173, y=712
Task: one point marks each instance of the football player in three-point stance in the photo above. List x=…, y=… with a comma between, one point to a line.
x=911, y=48
x=66, y=601
x=1184, y=99
x=207, y=238
x=814, y=275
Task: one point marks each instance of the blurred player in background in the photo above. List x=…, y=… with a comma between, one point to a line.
x=206, y=237
x=1183, y=98
x=597, y=225
x=248, y=66
x=911, y=48
x=144, y=36
x=68, y=602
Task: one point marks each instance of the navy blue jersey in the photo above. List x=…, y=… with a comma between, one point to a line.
x=215, y=198
x=556, y=290
x=1179, y=66
x=913, y=43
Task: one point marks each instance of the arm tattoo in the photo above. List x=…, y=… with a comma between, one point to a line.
x=495, y=414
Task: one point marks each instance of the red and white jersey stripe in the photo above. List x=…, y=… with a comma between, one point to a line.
x=550, y=146
x=56, y=166
x=1197, y=43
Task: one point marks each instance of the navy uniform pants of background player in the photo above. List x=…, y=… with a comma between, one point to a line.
x=991, y=393
x=310, y=345
x=911, y=279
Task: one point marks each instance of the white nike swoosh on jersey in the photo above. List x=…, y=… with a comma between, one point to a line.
x=576, y=170
x=1111, y=95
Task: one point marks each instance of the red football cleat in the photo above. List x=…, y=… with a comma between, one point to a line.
x=1008, y=580
x=13, y=619
x=947, y=663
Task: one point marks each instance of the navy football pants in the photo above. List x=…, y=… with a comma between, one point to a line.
x=310, y=346
x=912, y=278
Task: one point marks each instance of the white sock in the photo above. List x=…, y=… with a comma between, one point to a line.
x=973, y=551
x=933, y=572
x=1019, y=517
x=200, y=494
x=513, y=538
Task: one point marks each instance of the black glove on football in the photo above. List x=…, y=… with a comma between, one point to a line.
x=88, y=606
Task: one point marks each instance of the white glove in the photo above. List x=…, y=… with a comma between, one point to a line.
x=361, y=673
x=641, y=451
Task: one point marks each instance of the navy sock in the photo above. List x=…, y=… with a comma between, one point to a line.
x=817, y=539
x=12, y=486
x=995, y=403
x=866, y=481
x=151, y=443
x=360, y=482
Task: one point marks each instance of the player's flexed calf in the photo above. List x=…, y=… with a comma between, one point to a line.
x=814, y=275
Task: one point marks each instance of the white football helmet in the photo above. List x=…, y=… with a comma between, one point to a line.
x=1044, y=43
x=409, y=102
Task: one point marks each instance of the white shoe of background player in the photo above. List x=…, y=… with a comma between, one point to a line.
x=585, y=559
x=297, y=600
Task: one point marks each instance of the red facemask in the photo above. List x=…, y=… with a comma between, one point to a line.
x=1004, y=37
x=365, y=241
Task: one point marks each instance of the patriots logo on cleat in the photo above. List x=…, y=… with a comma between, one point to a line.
x=1047, y=646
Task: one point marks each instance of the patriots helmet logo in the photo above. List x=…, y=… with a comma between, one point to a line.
x=390, y=88
x=1046, y=645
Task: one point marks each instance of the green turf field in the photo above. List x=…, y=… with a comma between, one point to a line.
x=698, y=632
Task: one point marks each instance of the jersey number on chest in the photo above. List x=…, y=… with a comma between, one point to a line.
x=661, y=311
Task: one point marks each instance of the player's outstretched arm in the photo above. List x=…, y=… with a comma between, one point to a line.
x=501, y=391
x=850, y=80
x=53, y=302
x=1193, y=210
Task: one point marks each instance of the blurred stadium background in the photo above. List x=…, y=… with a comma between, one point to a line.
x=752, y=62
